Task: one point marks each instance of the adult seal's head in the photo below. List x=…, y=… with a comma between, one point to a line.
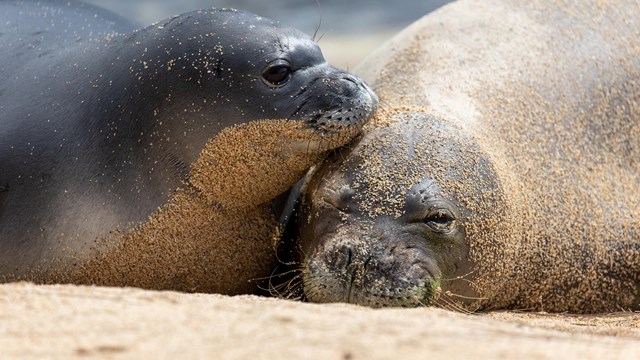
x=501, y=173
x=101, y=123
x=385, y=222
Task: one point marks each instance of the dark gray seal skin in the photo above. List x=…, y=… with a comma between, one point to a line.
x=502, y=171
x=101, y=121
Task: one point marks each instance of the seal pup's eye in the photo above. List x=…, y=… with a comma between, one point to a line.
x=440, y=220
x=277, y=74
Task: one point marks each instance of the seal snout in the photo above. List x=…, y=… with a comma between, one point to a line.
x=371, y=272
x=346, y=103
x=364, y=88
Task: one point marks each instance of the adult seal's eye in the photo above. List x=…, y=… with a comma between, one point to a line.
x=440, y=220
x=276, y=75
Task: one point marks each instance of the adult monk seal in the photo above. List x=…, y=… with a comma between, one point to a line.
x=102, y=123
x=503, y=171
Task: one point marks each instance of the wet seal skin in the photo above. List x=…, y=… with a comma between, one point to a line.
x=502, y=172
x=152, y=157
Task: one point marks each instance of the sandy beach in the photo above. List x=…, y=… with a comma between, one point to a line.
x=75, y=322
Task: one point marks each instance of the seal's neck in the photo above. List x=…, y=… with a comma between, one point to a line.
x=148, y=99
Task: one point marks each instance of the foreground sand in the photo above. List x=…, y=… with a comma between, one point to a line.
x=85, y=322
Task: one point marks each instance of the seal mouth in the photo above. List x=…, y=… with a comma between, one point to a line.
x=327, y=288
x=338, y=120
x=355, y=272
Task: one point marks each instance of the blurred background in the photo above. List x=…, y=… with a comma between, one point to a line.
x=350, y=29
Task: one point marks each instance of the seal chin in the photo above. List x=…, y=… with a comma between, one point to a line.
x=423, y=293
x=313, y=140
x=349, y=270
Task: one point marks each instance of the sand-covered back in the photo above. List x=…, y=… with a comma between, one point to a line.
x=76, y=322
x=549, y=97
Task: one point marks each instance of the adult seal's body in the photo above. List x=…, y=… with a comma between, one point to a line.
x=101, y=124
x=503, y=172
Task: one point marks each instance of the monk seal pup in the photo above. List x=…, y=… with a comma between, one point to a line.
x=102, y=123
x=503, y=171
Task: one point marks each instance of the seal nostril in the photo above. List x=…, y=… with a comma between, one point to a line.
x=342, y=258
x=366, y=263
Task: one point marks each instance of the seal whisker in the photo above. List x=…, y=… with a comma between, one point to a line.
x=294, y=289
x=319, y=23
x=452, y=305
x=462, y=277
x=286, y=263
x=288, y=272
x=288, y=290
x=275, y=289
x=466, y=297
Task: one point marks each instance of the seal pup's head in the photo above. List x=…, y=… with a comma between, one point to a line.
x=208, y=69
x=394, y=220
